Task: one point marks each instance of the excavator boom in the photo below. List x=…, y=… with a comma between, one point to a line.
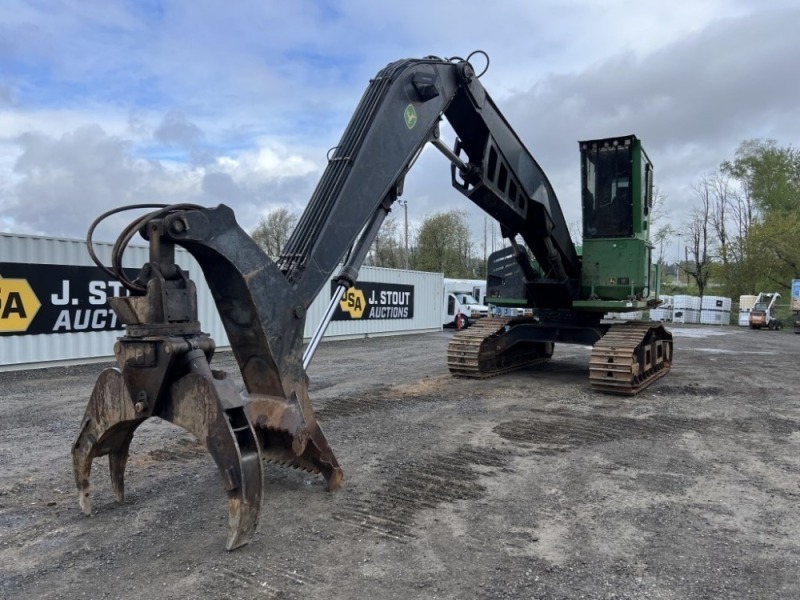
x=399, y=113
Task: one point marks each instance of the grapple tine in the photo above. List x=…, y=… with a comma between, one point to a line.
x=212, y=410
x=108, y=426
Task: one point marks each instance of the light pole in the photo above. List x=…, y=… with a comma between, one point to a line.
x=405, y=213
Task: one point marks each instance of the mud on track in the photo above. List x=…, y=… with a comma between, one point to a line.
x=528, y=485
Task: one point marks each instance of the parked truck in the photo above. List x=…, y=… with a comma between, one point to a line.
x=796, y=304
x=462, y=305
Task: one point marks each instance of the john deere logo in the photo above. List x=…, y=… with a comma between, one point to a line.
x=410, y=116
x=353, y=302
x=18, y=305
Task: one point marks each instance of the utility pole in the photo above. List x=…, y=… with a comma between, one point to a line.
x=485, y=224
x=405, y=210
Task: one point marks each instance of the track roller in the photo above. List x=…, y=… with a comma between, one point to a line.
x=630, y=357
x=487, y=349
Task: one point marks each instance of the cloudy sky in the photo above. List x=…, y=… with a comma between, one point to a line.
x=111, y=102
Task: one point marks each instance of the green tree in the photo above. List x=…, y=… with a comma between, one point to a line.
x=388, y=248
x=444, y=244
x=773, y=244
x=764, y=217
x=660, y=233
x=768, y=173
x=274, y=230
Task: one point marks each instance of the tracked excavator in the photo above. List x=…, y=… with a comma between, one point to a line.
x=164, y=360
x=570, y=293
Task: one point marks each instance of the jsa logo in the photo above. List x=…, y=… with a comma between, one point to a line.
x=353, y=302
x=18, y=305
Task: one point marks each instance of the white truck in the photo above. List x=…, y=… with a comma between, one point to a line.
x=462, y=302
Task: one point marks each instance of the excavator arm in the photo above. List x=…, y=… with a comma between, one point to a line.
x=400, y=113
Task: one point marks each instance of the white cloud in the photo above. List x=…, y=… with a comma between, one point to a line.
x=61, y=183
x=271, y=160
x=193, y=101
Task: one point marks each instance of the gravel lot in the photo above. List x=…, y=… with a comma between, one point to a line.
x=528, y=485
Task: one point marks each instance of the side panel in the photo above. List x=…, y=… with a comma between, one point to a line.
x=615, y=269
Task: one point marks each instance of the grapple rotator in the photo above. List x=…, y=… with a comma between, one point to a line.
x=164, y=363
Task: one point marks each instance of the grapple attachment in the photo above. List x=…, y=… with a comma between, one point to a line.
x=164, y=371
x=201, y=402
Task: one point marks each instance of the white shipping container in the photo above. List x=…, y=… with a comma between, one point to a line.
x=427, y=307
x=29, y=350
x=43, y=348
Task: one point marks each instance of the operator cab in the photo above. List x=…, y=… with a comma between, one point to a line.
x=617, y=187
x=616, y=197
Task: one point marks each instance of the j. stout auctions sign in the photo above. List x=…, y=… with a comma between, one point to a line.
x=370, y=300
x=37, y=299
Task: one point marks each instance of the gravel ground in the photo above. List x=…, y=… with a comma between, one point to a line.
x=527, y=485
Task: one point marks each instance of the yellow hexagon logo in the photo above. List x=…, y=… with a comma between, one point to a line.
x=18, y=305
x=353, y=302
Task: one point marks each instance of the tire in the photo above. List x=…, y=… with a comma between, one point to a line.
x=460, y=322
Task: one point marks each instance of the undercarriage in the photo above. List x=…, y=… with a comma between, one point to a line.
x=625, y=359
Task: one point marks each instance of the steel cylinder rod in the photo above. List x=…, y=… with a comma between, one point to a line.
x=349, y=273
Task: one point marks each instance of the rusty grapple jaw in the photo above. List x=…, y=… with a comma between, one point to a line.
x=289, y=435
x=200, y=402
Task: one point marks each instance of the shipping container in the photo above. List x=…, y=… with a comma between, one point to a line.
x=53, y=309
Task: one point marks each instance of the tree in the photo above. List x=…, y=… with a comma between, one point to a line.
x=775, y=242
x=388, y=248
x=444, y=245
x=660, y=234
x=763, y=214
x=698, y=235
x=769, y=175
x=274, y=230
